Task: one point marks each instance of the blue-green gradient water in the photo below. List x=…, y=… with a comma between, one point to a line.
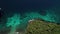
x=17, y=13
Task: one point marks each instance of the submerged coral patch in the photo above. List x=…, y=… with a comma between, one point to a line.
x=16, y=22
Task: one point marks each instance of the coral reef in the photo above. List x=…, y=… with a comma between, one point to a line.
x=42, y=27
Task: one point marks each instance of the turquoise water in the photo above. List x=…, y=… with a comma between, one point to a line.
x=17, y=13
x=16, y=21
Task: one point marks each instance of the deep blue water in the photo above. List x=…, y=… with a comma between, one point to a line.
x=28, y=4
x=12, y=6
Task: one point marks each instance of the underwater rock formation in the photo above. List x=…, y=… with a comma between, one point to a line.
x=42, y=27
